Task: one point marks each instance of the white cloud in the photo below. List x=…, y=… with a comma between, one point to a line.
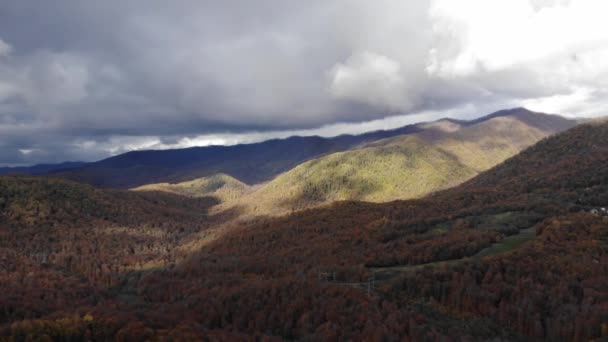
x=548, y=55
x=5, y=49
x=116, y=145
x=371, y=78
x=581, y=102
x=496, y=35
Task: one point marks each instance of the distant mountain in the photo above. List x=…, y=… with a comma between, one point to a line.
x=41, y=169
x=439, y=155
x=249, y=163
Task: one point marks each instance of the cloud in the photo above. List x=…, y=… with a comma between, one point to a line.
x=523, y=49
x=5, y=49
x=371, y=78
x=84, y=80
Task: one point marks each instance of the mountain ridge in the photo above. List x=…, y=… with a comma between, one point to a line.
x=40, y=169
x=249, y=163
x=401, y=167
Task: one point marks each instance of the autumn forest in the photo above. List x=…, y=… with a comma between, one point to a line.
x=519, y=252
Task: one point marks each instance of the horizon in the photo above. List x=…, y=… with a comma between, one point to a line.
x=265, y=137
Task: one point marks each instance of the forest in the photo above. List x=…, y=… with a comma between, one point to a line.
x=79, y=263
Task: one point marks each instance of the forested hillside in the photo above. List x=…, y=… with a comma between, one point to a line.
x=445, y=154
x=325, y=171
x=249, y=163
x=252, y=163
x=444, y=267
x=442, y=154
x=220, y=186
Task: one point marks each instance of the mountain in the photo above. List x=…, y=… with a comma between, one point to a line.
x=497, y=251
x=41, y=169
x=250, y=163
x=439, y=155
x=516, y=253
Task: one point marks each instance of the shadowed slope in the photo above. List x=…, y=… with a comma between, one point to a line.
x=35, y=201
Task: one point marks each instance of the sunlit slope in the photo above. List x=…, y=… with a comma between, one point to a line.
x=221, y=186
x=442, y=154
x=446, y=154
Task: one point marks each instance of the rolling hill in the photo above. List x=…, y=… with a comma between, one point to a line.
x=440, y=155
x=46, y=202
x=220, y=186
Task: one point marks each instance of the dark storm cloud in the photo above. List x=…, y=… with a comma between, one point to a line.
x=82, y=79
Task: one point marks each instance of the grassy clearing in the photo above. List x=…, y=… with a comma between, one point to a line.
x=509, y=243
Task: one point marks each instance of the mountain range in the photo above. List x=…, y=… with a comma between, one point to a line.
x=517, y=252
x=250, y=163
x=431, y=157
x=41, y=169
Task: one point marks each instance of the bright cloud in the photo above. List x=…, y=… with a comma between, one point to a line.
x=497, y=35
x=5, y=49
x=371, y=78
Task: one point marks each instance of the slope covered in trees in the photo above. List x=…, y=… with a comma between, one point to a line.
x=445, y=154
x=220, y=186
x=442, y=154
x=63, y=244
x=249, y=163
x=300, y=277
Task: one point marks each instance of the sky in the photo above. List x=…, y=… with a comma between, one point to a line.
x=86, y=79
